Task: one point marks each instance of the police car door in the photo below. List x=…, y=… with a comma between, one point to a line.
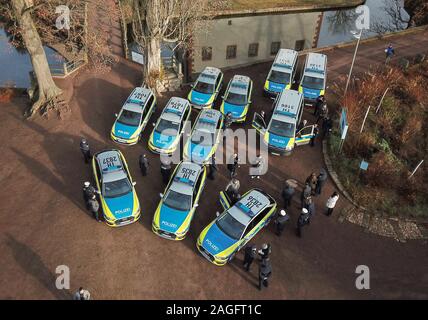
x=259, y=123
x=304, y=135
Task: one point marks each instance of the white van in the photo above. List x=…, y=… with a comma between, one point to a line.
x=314, y=77
x=282, y=72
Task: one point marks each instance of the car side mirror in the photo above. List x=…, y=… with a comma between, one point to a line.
x=272, y=98
x=153, y=124
x=328, y=87
x=217, y=213
x=222, y=97
x=161, y=195
x=196, y=205
x=134, y=183
x=116, y=115
x=249, y=101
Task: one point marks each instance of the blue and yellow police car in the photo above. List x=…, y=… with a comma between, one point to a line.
x=314, y=77
x=133, y=116
x=179, y=202
x=206, y=88
x=119, y=201
x=237, y=225
x=237, y=98
x=170, y=126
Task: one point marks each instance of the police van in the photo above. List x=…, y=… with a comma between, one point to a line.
x=314, y=77
x=282, y=72
x=206, y=88
x=281, y=132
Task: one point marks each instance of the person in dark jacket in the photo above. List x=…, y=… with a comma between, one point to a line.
x=312, y=182
x=165, y=169
x=310, y=205
x=228, y=120
x=281, y=221
x=94, y=207
x=232, y=190
x=86, y=151
x=304, y=219
x=327, y=126
x=143, y=162
x=250, y=254
x=321, y=179
x=307, y=192
x=265, y=271
x=316, y=131
x=265, y=251
x=389, y=53
x=232, y=166
x=212, y=168
x=323, y=112
x=88, y=191
x=287, y=195
x=318, y=103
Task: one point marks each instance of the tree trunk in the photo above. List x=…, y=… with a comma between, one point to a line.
x=153, y=57
x=47, y=89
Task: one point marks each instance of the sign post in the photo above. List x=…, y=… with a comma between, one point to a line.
x=343, y=128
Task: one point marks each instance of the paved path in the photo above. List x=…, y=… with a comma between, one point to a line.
x=44, y=224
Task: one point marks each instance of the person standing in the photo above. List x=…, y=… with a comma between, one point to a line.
x=302, y=125
x=212, y=168
x=86, y=151
x=314, y=136
x=232, y=166
x=228, y=120
x=265, y=271
x=82, y=294
x=287, y=195
x=250, y=254
x=144, y=164
x=327, y=126
x=321, y=179
x=307, y=192
x=303, y=220
x=318, y=103
x=331, y=203
x=257, y=167
x=281, y=221
x=323, y=112
x=165, y=169
x=94, y=207
x=389, y=53
x=265, y=251
x=312, y=182
x=310, y=205
x=88, y=192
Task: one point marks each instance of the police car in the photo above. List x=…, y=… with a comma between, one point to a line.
x=237, y=98
x=119, y=200
x=282, y=72
x=314, y=77
x=133, y=117
x=170, y=126
x=205, y=136
x=206, y=88
x=237, y=225
x=281, y=132
x=176, y=209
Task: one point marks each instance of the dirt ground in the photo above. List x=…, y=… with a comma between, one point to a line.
x=43, y=222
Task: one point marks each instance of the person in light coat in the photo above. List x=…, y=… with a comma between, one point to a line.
x=331, y=203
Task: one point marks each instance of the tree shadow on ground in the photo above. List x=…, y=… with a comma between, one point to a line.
x=33, y=264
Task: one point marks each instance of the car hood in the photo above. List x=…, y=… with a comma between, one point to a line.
x=124, y=131
x=162, y=141
x=200, y=98
x=121, y=207
x=278, y=141
x=216, y=241
x=198, y=153
x=171, y=219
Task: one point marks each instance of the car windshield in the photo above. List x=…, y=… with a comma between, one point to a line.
x=230, y=226
x=313, y=83
x=117, y=188
x=178, y=201
x=130, y=118
x=279, y=77
x=236, y=99
x=167, y=128
x=203, y=138
x=204, y=87
x=282, y=129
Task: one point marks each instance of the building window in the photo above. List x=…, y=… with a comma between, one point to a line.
x=274, y=47
x=207, y=53
x=231, y=52
x=300, y=45
x=253, y=50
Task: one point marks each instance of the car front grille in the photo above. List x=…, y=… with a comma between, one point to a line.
x=206, y=254
x=123, y=221
x=167, y=234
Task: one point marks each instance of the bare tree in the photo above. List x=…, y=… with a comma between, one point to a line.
x=174, y=21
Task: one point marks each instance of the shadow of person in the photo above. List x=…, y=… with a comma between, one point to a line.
x=237, y=266
x=32, y=264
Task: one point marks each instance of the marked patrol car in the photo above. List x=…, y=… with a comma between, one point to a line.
x=119, y=200
x=237, y=98
x=205, y=136
x=178, y=204
x=206, y=88
x=134, y=116
x=282, y=72
x=280, y=133
x=170, y=126
x=237, y=225
x=314, y=77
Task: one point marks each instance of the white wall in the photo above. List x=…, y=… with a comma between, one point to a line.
x=287, y=28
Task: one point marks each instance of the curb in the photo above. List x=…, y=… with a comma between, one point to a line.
x=400, y=229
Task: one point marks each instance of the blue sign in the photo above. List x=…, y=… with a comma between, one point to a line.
x=364, y=165
x=343, y=124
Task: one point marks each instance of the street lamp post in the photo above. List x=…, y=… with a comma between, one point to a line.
x=353, y=61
